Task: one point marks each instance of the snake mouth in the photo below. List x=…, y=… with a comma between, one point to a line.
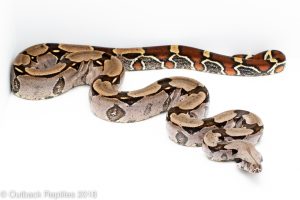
x=253, y=168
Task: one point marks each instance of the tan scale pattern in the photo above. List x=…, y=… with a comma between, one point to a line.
x=47, y=70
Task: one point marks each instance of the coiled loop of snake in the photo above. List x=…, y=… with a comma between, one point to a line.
x=47, y=70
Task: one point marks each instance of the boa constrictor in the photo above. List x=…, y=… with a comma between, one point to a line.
x=47, y=70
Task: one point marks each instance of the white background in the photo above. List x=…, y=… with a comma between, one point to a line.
x=59, y=145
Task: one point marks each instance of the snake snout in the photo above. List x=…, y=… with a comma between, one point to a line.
x=256, y=168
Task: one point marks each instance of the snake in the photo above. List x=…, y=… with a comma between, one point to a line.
x=47, y=70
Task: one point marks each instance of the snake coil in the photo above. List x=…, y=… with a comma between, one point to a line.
x=47, y=70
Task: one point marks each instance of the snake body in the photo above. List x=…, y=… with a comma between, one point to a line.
x=47, y=70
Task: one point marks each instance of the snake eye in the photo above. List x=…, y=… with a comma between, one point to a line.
x=234, y=151
x=238, y=160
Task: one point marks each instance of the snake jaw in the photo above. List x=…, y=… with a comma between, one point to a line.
x=247, y=157
x=249, y=167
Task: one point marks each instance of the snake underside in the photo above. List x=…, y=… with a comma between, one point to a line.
x=47, y=70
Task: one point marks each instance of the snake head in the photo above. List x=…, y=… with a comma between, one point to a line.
x=246, y=156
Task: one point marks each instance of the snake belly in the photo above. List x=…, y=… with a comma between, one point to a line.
x=48, y=70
